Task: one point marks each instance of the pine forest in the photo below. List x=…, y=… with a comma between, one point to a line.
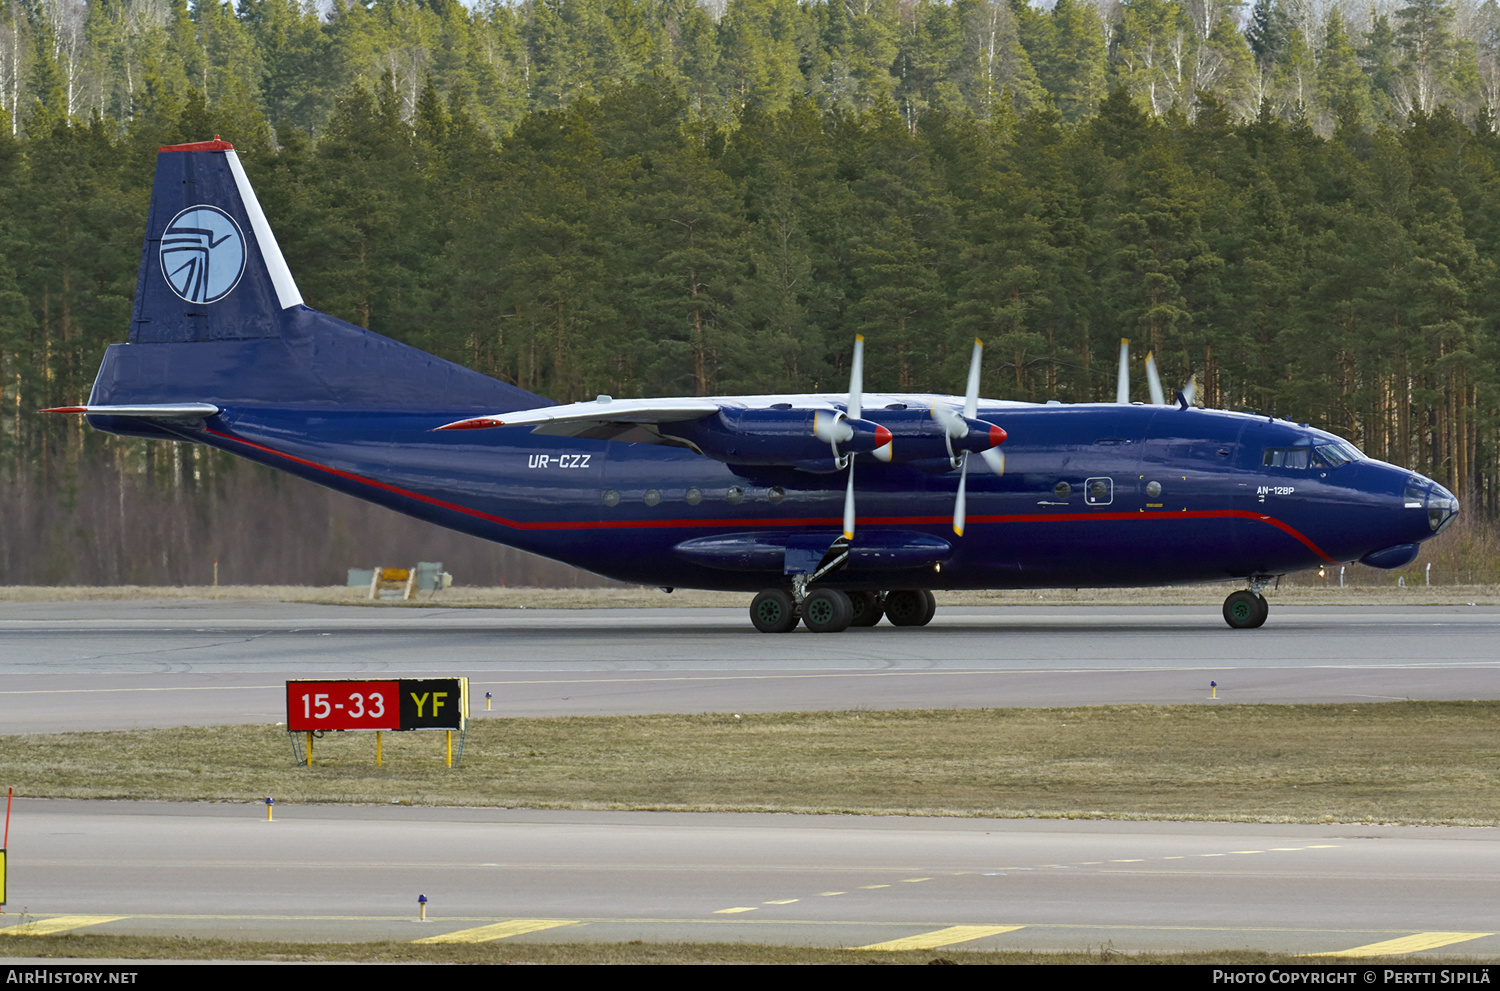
x=1297, y=202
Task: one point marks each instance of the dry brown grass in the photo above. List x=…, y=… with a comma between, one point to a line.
x=1412, y=762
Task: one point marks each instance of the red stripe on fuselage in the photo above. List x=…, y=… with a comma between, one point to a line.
x=1203, y=514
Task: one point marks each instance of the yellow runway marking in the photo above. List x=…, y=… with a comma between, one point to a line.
x=915, y=880
x=941, y=937
x=731, y=911
x=830, y=894
x=1406, y=944
x=500, y=930
x=872, y=887
x=58, y=924
x=783, y=901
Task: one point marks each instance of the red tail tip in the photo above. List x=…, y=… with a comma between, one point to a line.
x=217, y=144
x=477, y=423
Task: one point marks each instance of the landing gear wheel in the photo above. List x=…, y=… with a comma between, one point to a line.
x=773, y=611
x=827, y=610
x=910, y=607
x=1244, y=610
x=867, y=608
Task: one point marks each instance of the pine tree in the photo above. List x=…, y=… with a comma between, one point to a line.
x=1424, y=39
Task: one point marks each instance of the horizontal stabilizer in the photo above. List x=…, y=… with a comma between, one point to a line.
x=165, y=412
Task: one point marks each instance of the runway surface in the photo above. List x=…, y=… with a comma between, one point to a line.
x=102, y=665
x=345, y=873
x=322, y=873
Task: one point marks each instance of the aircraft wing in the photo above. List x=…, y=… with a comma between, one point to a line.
x=601, y=410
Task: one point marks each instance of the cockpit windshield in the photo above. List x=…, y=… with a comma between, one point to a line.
x=1312, y=454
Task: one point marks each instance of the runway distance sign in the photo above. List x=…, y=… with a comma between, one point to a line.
x=404, y=704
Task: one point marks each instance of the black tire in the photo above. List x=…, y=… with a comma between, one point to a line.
x=910, y=607
x=773, y=611
x=827, y=610
x=867, y=608
x=1244, y=610
x=931, y=607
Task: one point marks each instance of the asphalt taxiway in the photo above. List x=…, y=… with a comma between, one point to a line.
x=323, y=873
x=103, y=665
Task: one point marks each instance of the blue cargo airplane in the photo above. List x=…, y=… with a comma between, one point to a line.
x=837, y=510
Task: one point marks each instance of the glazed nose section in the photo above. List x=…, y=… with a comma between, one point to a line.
x=1442, y=508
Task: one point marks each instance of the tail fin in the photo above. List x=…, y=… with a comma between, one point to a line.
x=218, y=317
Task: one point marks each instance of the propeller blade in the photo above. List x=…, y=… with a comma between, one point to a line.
x=995, y=458
x=960, y=506
x=953, y=424
x=849, y=504
x=857, y=378
x=856, y=412
x=971, y=395
x=1153, y=380
x=1122, y=380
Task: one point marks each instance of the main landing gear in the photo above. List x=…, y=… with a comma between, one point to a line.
x=1247, y=609
x=829, y=610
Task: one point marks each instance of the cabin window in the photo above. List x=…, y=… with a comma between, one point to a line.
x=1153, y=489
x=735, y=495
x=775, y=494
x=652, y=497
x=693, y=496
x=1099, y=491
x=611, y=498
x=1062, y=490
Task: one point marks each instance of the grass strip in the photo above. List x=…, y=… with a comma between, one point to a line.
x=1400, y=762
x=78, y=947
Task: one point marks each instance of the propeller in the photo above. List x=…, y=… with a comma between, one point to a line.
x=1153, y=379
x=958, y=428
x=838, y=428
x=856, y=411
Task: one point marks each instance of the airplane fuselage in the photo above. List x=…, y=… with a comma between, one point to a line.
x=1092, y=495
